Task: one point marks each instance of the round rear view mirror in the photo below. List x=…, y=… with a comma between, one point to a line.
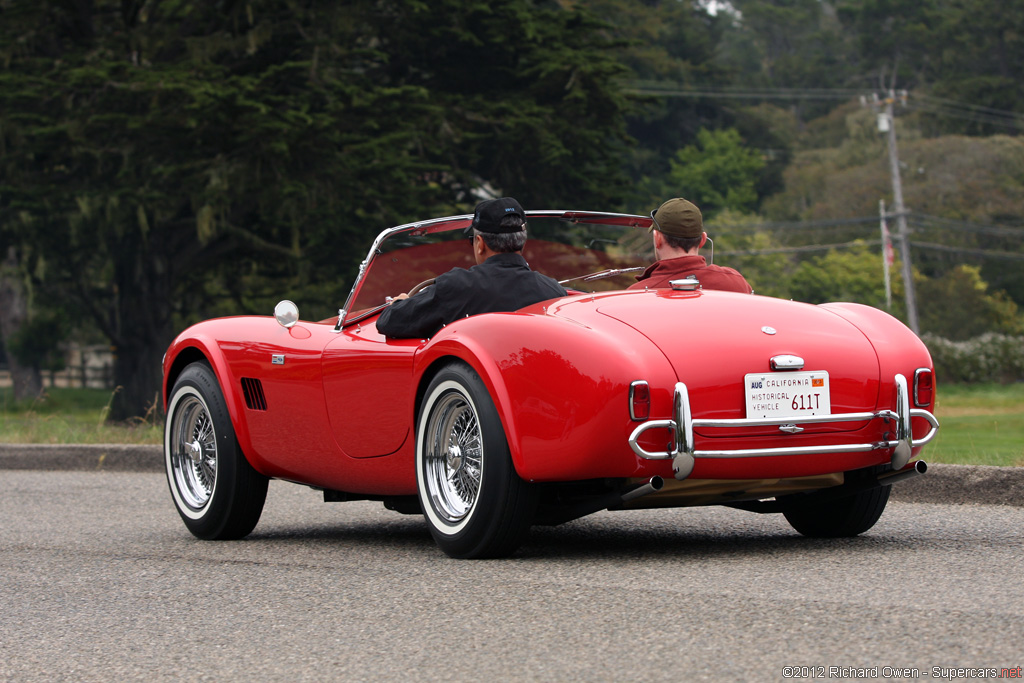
x=286, y=313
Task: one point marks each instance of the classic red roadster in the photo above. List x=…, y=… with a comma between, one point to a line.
x=603, y=399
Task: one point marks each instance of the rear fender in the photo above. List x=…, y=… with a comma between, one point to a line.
x=899, y=351
x=561, y=389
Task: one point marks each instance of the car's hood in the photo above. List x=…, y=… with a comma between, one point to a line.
x=713, y=339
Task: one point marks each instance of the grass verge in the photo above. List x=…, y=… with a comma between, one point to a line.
x=981, y=424
x=66, y=416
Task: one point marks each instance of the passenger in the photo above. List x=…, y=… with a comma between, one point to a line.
x=678, y=231
x=501, y=280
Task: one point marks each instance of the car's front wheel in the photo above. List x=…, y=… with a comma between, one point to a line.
x=216, y=491
x=473, y=500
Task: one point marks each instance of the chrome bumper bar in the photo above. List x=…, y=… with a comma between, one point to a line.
x=683, y=453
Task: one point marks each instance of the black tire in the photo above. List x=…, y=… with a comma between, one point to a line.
x=475, y=504
x=216, y=491
x=842, y=517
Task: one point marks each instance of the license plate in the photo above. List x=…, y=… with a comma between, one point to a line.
x=787, y=394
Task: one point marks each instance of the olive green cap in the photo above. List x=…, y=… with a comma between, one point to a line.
x=679, y=218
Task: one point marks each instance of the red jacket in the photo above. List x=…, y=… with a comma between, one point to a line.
x=711, y=277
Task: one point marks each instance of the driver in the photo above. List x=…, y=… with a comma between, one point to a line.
x=501, y=280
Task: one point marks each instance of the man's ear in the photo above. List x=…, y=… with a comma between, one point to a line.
x=703, y=239
x=659, y=240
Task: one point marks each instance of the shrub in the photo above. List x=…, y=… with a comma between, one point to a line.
x=991, y=357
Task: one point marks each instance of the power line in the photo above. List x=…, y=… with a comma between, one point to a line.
x=917, y=219
x=664, y=89
x=740, y=228
x=965, y=226
x=976, y=112
x=987, y=253
x=796, y=250
x=925, y=103
x=1010, y=121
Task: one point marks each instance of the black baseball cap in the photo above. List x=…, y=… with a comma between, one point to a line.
x=488, y=215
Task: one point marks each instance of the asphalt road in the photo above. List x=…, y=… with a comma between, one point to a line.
x=99, y=580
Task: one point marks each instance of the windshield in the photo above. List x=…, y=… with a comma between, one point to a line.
x=565, y=245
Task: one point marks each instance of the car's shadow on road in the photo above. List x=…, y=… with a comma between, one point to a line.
x=611, y=542
x=601, y=537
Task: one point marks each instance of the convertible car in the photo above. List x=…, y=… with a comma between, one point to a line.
x=602, y=399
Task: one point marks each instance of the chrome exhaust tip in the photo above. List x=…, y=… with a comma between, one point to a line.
x=914, y=470
x=655, y=484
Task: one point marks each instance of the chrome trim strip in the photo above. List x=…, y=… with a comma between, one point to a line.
x=786, y=362
x=797, y=420
x=683, y=452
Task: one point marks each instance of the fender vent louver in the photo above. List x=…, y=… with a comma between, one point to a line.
x=253, y=390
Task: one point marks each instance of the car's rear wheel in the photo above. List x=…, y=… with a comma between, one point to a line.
x=842, y=517
x=216, y=491
x=473, y=500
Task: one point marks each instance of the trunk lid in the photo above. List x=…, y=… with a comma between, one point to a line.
x=715, y=340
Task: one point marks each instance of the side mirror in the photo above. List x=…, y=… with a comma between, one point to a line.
x=286, y=313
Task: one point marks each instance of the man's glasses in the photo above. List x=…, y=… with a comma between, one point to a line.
x=656, y=224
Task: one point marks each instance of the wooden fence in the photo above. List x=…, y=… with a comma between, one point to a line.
x=91, y=376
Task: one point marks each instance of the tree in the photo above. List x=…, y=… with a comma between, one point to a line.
x=789, y=44
x=663, y=42
x=967, y=51
x=960, y=306
x=25, y=376
x=526, y=95
x=167, y=155
x=717, y=173
x=737, y=242
x=978, y=49
x=849, y=275
x=149, y=142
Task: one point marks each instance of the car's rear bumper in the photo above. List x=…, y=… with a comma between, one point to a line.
x=683, y=453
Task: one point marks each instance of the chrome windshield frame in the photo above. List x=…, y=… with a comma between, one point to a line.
x=458, y=222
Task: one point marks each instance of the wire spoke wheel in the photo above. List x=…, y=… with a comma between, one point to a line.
x=454, y=457
x=194, y=452
x=217, y=492
x=472, y=498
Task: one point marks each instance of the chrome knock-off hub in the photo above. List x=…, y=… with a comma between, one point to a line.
x=454, y=458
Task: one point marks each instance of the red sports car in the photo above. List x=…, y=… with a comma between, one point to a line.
x=603, y=399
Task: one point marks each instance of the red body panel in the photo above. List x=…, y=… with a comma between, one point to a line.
x=340, y=410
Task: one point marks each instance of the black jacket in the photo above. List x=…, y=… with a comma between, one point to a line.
x=503, y=282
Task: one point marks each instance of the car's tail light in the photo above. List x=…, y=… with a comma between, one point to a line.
x=639, y=401
x=924, y=387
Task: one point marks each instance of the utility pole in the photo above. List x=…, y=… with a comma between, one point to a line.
x=886, y=253
x=903, y=235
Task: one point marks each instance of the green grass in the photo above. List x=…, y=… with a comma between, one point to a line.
x=981, y=424
x=70, y=416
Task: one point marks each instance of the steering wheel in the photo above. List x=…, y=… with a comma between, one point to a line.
x=421, y=286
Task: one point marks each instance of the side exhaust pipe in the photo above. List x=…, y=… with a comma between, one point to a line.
x=655, y=484
x=917, y=469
